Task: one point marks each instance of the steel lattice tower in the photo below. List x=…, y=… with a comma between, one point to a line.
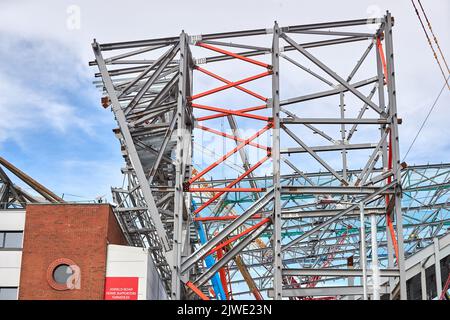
x=282, y=233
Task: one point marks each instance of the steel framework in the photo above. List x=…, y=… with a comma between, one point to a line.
x=13, y=196
x=281, y=228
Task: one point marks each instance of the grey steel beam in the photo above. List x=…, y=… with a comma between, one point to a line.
x=335, y=190
x=315, y=44
x=301, y=214
x=39, y=188
x=360, y=61
x=327, y=25
x=179, y=174
x=437, y=266
x=361, y=113
x=336, y=33
x=369, y=164
x=396, y=167
x=335, y=147
x=337, y=272
x=327, y=93
x=297, y=120
x=309, y=126
x=275, y=152
x=314, y=74
x=325, y=291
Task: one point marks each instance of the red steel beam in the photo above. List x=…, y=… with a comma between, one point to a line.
x=224, y=218
x=230, y=85
x=219, y=115
x=231, y=184
x=197, y=291
x=232, y=239
x=223, y=134
x=230, y=153
x=215, y=76
x=388, y=213
x=234, y=112
x=223, y=276
x=383, y=59
x=234, y=55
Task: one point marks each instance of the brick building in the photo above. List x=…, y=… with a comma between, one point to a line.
x=72, y=251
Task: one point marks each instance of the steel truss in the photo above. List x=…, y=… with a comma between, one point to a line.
x=288, y=233
x=13, y=196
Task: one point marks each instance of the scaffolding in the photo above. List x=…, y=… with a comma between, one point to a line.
x=280, y=228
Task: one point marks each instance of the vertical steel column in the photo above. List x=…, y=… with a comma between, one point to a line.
x=179, y=199
x=344, y=151
x=392, y=108
x=277, y=258
x=385, y=159
x=350, y=280
x=375, y=267
x=437, y=267
x=362, y=254
x=423, y=281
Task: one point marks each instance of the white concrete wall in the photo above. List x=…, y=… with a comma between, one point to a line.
x=12, y=220
x=11, y=259
x=155, y=286
x=10, y=262
x=125, y=261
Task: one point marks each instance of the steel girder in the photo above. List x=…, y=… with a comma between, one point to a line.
x=13, y=196
x=293, y=217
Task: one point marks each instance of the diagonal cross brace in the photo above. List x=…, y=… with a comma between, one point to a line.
x=332, y=74
x=314, y=155
x=205, y=248
x=366, y=200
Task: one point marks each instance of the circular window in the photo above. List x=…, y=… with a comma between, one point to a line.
x=59, y=273
x=62, y=273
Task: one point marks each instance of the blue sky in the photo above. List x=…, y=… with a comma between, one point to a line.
x=53, y=127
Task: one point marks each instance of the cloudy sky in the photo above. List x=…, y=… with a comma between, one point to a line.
x=53, y=127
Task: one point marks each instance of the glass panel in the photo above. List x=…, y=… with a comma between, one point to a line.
x=62, y=273
x=8, y=293
x=2, y=235
x=13, y=239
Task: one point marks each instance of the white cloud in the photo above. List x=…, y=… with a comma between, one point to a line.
x=24, y=110
x=36, y=78
x=418, y=78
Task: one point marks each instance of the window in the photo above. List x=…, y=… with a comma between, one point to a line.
x=8, y=293
x=62, y=273
x=11, y=240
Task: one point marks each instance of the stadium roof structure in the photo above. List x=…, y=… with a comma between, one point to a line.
x=320, y=203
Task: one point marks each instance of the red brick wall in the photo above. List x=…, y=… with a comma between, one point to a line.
x=115, y=234
x=79, y=232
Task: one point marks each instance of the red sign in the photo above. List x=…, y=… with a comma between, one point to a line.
x=121, y=288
